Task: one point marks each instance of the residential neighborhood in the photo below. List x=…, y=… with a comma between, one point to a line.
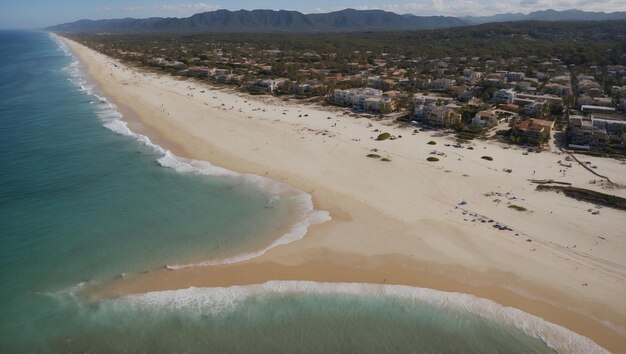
x=518, y=99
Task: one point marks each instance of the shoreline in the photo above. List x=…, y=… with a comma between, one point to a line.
x=350, y=247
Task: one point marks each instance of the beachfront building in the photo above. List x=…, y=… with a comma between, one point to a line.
x=199, y=71
x=354, y=97
x=582, y=134
x=599, y=128
x=266, y=85
x=421, y=111
x=379, y=104
x=221, y=75
x=485, y=119
x=309, y=89
x=443, y=116
x=531, y=131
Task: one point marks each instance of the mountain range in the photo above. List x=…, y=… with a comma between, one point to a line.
x=348, y=20
x=547, y=15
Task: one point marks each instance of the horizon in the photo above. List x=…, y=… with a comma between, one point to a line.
x=38, y=14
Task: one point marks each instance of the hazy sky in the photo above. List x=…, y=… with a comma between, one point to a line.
x=41, y=13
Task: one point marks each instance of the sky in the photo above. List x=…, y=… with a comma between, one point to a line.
x=42, y=13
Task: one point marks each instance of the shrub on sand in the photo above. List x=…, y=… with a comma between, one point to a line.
x=383, y=136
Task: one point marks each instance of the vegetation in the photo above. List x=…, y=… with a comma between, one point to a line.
x=432, y=143
x=469, y=132
x=383, y=136
x=517, y=207
x=589, y=196
x=573, y=42
x=488, y=158
x=373, y=156
x=432, y=159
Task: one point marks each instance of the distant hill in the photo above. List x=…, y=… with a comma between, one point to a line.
x=224, y=21
x=548, y=15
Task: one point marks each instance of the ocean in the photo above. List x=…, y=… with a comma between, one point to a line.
x=84, y=200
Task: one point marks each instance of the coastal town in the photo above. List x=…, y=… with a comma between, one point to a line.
x=528, y=100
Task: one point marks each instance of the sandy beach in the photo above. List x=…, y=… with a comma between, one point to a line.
x=404, y=221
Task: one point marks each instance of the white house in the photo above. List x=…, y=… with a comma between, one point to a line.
x=378, y=104
x=355, y=97
x=485, y=119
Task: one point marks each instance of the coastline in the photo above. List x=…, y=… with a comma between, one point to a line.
x=388, y=234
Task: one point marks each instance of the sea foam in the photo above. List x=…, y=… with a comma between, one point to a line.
x=219, y=299
x=112, y=120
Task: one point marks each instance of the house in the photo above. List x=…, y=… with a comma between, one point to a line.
x=533, y=108
x=423, y=110
x=470, y=93
x=309, y=89
x=380, y=82
x=583, y=134
x=199, y=71
x=485, y=119
x=443, y=116
x=267, y=85
x=504, y=96
x=613, y=127
x=524, y=86
x=220, y=75
x=420, y=98
x=379, y=104
x=262, y=85
x=532, y=131
x=515, y=76
x=548, y=98
x=354, y=97
x=442, y=84
x=471, y=75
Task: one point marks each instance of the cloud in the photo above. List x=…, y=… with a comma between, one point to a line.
x=492, y=7
x=170, y=9
x=134, y=8
x=197, y=7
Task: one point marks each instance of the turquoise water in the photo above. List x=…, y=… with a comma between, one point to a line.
x=81, y=204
